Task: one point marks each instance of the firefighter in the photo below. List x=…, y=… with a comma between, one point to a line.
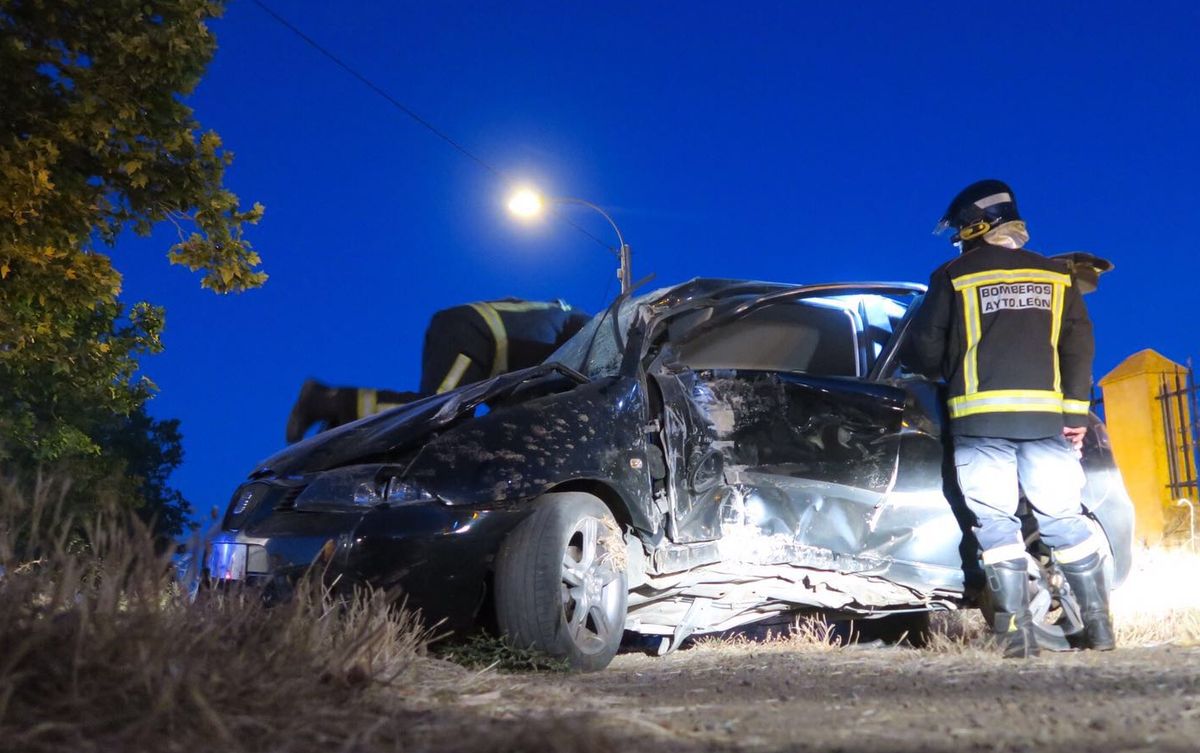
x=463, y=344
x=1008, y=331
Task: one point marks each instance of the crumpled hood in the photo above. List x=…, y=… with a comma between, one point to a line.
x=396, y=428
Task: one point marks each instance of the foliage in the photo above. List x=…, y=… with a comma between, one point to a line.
x=95, y=138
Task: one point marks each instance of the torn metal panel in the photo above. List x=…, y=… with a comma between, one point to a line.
x=739, y=594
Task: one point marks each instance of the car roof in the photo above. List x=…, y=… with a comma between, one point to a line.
x=707, y=288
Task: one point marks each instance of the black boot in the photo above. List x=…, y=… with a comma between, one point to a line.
x=1090, y=587
x=318, y=403
x=1012, y=625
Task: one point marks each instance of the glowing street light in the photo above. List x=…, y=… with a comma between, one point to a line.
x=528, y=204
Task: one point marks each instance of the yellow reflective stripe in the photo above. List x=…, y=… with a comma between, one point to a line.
x=1011, y=275
x=366, y=401
x=1006, y=408
x=492, y=319
x=1030, y=394
x=1085, y=548
x=521, y=306
x=455, y=374
x=1056, y=311
x=1077, y=407
x=1004, y=553
x=1006, y=401
x=974, y=331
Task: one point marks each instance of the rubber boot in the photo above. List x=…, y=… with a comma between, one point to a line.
x=1012, y=626
x=319, y=403
x=1090, y=587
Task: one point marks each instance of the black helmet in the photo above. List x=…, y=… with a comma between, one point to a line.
x=977, y=209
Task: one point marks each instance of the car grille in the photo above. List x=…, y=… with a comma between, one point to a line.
x=288, y=500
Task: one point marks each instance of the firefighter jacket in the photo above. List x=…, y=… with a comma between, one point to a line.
x=1008, y=331
x=474, y=341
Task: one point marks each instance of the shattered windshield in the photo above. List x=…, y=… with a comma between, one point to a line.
x=594, y=350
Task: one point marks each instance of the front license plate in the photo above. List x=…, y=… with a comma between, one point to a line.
x=227, y=561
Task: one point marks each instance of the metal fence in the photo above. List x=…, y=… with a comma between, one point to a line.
x=1179, y=400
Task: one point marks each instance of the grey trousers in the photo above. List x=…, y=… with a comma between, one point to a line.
x=1047, y=471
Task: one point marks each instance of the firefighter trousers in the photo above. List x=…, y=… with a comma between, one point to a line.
x=992, y=474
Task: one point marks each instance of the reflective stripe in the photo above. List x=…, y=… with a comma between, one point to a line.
x=974, y=332
x=366, y=401
x=993, y=200
x=492, y=319
x=1006, y=408
x=1085, y=548
x=1056, y=311
x=455, y=374
x=1006, y=401
x=1077, y=407
x=1005, y=553
x=522, y=306
x=1011, y=275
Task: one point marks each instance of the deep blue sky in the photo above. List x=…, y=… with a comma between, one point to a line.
x=790, y=141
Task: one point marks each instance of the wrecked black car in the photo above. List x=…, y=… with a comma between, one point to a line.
x=695, y=459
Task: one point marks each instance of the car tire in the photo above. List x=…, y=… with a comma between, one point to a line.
x=560, y=582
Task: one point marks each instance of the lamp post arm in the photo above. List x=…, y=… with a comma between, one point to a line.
x=596, y=208
x=625, y=271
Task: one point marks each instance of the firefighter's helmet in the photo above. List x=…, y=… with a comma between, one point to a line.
x=978, y=208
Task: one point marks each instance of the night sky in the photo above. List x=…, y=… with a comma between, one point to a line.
x=794, y=142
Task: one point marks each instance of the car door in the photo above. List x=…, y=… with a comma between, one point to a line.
x=774, y=400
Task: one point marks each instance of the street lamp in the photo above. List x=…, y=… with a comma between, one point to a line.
x=529, y=204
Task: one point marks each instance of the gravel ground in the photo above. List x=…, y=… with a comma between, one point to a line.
x=771, y=698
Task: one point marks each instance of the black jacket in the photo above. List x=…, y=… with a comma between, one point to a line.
x=1008, y=331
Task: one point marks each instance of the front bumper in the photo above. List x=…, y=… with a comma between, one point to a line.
x=432, y=557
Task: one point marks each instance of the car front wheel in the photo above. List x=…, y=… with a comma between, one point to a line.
x=560, y=581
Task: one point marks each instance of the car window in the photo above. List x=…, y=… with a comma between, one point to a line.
x=880, y=315
x=812, y=337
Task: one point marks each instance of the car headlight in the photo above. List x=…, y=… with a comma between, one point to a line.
x=359, y=487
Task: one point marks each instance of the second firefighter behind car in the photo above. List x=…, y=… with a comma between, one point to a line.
x=463, y=344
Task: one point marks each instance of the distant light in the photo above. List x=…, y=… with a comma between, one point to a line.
x=526, y=204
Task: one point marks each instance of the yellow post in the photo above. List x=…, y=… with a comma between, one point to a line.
x=1134, y=415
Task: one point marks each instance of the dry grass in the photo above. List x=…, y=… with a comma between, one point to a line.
x=1160, y=601
x=959, y=632
x=805, y=634
x=103, y=650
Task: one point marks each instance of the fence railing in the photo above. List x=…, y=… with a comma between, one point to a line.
x=1179, y=401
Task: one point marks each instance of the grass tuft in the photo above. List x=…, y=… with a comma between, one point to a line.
x=483, y=651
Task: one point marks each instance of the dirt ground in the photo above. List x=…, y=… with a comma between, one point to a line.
x=766, y=697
